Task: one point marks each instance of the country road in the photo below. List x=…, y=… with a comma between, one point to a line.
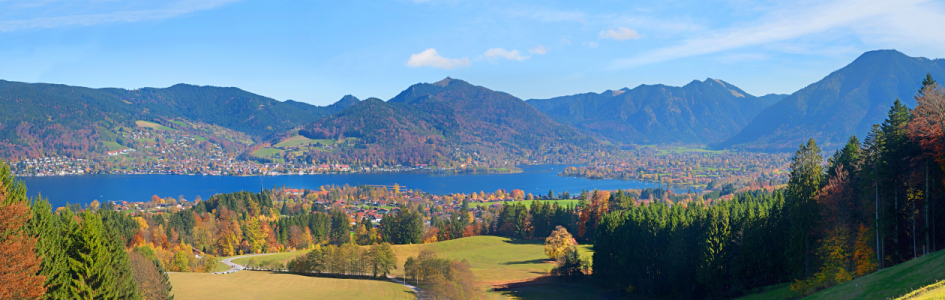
x=415, y=289
x=234, y=267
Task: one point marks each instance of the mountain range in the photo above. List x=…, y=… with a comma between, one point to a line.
x=38, y=119
x=846, y=102
x=449, y=120
x=701, y=112
x=453, y=120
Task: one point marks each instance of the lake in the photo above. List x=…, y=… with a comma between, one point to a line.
x=85, y=188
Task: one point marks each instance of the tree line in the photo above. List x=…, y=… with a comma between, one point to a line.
x=871, y=206
x=69, y=255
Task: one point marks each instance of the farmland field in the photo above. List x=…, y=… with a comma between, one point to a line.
x=152, y=125
x=283, y=257
x=269, y=285
x=492, y=259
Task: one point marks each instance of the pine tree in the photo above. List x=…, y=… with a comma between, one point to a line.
x=51, y=245
x=806, y=179
x=98, y=264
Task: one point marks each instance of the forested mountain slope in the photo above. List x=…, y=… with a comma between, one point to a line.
x=41, y=119
x=450, y=120
x=846, y=102
x=700, y=112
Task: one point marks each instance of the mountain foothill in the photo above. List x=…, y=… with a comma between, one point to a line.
x=452, y=121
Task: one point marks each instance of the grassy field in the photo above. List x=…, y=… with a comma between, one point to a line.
x=775, y=292
x=933, y=291
x=283, y=257
x=152, y=125
x=886, y=284
x=528, y=203
x=492, y=259
x=265, y=152
x=891, y=282
x=296, y=141
x=113, y=145
x=266, y=285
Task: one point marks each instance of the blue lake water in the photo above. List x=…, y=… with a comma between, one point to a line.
x=83, y=189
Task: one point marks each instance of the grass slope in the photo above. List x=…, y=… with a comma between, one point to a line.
x=934, y=291
x=492, y=259
x=152, y=125
x=891, y=282
x=282, y=257
x=885, y=284
x=266, y=285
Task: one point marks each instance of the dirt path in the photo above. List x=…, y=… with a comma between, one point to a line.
x=415, y=290
x=234, y=267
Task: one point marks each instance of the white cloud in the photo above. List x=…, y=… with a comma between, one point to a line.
x=591, y=44
x=429, y=58
x=539, y=50
x=872, y=19
x=565, y=41
x=621, y=34
x=133, y=15
x=494, y=53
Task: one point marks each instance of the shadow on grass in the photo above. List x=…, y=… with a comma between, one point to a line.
x=327, y=275
x=515, y=241
x=550, y=288
x=525, y=262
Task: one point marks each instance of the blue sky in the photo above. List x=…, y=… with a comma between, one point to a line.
x=319, y=51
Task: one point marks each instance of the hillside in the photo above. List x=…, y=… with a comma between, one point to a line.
x=38, y=119
x=446, y=123
x=846, y=102
x=271, y=285
x=700, y=112
x=884, y=284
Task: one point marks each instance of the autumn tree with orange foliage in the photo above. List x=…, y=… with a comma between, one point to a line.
x=863, y=255
x=18, y=262
x=592, y=213
x=927, y=128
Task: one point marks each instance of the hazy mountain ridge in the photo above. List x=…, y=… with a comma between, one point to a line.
x=848, y=101
x=699, y=112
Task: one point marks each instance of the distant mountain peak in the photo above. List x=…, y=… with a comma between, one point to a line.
x=699, y=112
x=345, y=102
x=443, y=83
x=847, y=101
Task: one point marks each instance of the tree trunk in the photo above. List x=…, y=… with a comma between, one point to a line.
x=806, y=256
x=926, y=207
x=879, y=252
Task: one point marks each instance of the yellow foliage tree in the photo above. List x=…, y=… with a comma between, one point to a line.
x=558, y=243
